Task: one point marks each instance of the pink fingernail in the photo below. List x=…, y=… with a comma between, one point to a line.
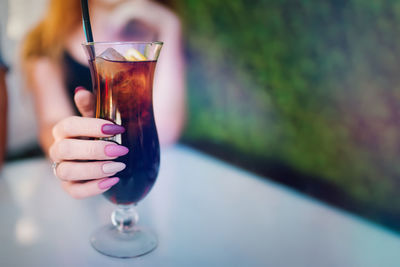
x=107, y=183
x=112, y=129
x=113, y=167
x=115, y=150
x=79, y=88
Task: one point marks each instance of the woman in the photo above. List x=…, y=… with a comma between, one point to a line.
x=55, y=64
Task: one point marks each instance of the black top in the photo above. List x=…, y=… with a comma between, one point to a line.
x=75, y=75
x=2, y=64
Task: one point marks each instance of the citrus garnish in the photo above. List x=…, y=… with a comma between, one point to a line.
x=134, y=55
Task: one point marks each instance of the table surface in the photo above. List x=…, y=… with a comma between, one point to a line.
x=205, y=213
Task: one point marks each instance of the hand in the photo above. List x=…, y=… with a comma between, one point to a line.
x=80, y=176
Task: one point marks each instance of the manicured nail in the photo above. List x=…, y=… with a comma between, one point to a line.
x=79, y=88
x=107, y=183
x=113, y=167
x=112, y=129
x=115, y=150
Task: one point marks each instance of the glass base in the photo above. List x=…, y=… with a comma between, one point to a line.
x=109, y=241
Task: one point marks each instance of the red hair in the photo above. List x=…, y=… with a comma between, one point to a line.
x=48, y=37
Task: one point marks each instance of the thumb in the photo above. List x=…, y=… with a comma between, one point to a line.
x=84, y=101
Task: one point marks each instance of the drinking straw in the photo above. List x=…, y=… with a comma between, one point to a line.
x=86, y=21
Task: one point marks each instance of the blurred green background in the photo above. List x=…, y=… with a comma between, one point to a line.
x=304, y=92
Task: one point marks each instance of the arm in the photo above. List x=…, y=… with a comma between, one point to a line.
x=51, y=101
x=3, y=113
x=169, y=84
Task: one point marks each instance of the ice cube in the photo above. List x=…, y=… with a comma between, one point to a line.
x=108, y=63
x=112, y=54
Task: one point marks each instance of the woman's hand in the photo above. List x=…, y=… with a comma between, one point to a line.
x=81, y=176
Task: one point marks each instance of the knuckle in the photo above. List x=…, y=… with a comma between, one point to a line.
x=63, y=172
x=68, y=125
x=63, y=148
x=92, y=150
x=57, y=130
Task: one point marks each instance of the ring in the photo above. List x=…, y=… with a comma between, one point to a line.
x=54, y=167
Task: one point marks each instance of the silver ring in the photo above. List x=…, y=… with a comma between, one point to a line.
x=54, y=167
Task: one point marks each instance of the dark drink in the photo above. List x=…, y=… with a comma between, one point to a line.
x=122, y=76
x=124, y=95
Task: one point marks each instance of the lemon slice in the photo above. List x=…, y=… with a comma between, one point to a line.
x=133, y=55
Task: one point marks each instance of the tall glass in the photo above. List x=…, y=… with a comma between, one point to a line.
x=122, y=76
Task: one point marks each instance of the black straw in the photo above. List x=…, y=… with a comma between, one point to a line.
x=86, y=21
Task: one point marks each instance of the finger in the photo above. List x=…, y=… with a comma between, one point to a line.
x=75, y=126
x=84, y=101
x=75, y=149
x=80, y=190
x=78, y=171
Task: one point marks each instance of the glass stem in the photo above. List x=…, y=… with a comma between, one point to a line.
x=124, y=218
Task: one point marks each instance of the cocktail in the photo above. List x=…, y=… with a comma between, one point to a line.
x=122, y=76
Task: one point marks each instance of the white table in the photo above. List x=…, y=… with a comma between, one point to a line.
x=205, y=212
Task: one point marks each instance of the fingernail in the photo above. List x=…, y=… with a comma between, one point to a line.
x=113, y=167
x=107, y=183
x=112, y=129
x=115, y=150
x=79, y=88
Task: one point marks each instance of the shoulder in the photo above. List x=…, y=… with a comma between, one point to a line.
x=43, y=66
